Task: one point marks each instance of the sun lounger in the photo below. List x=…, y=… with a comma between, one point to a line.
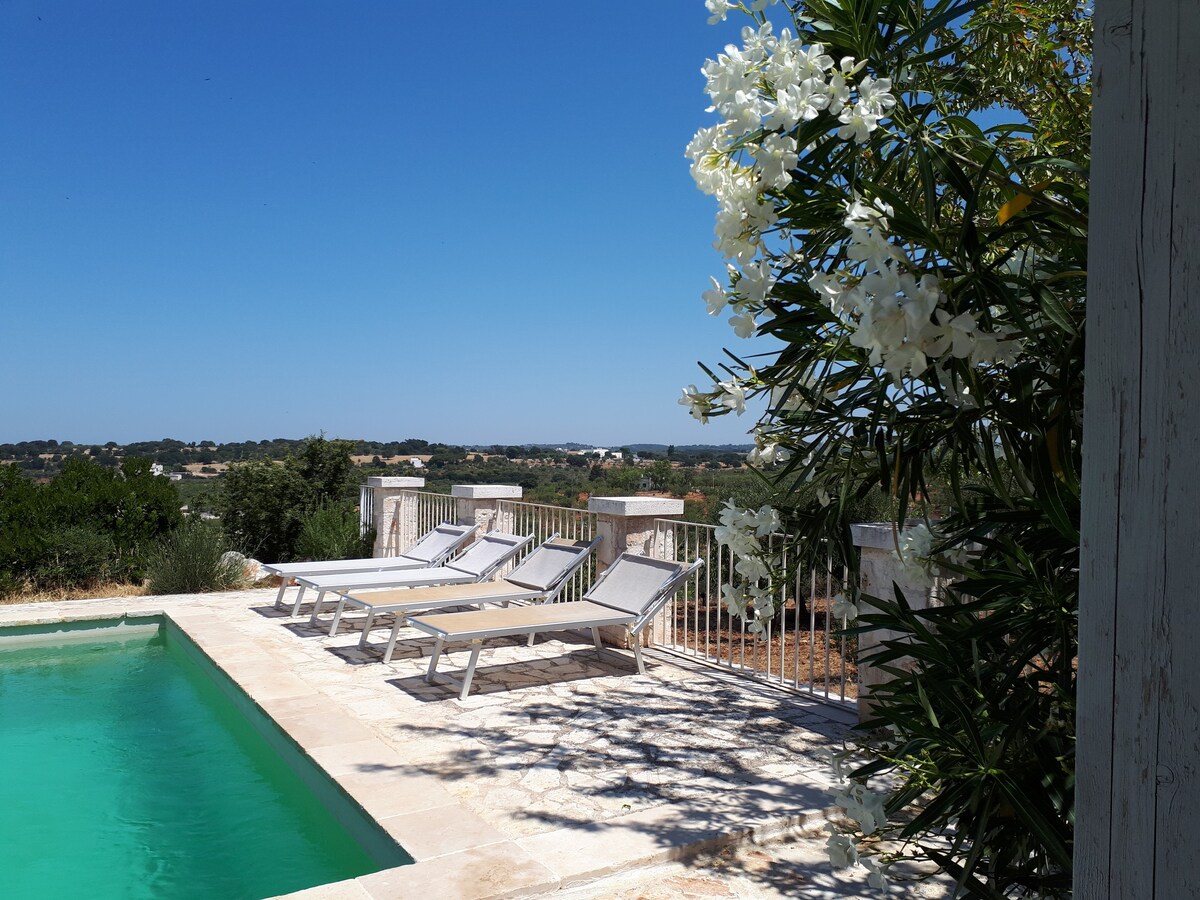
x=431, y=550
x=479, y=562
x=541, y=577
x=628, y=593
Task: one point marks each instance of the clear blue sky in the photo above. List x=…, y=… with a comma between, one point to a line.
x=470, y=223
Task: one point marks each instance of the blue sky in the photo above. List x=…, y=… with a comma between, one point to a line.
x=470, y=223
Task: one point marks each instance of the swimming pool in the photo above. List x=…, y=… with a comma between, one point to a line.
x=130, y=766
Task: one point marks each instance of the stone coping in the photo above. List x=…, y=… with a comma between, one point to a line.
x=394, y=481
x=636, y=506
x=487, y=491
x=440, y=799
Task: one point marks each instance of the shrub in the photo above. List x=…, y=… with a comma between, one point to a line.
x=331, y=531
x=192, y=560
x=264, y=504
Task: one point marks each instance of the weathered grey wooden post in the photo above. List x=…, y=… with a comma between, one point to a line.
x=1139, y=672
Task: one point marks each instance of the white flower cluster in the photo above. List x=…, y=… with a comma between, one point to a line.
x=914, y=549
x=729, y=395
x=895, y=315
x=768, y=86
x=866, y=808
x=742, y=531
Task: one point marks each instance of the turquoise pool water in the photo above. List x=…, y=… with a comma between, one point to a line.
x=131, y=767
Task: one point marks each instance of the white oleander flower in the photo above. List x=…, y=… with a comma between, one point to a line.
x=715, y=297
x=696, y=402
x=733, y=396
x=841, y=850
x=756, y=281
x=874, y=94
x=743, y=324
x=776, y=157
x=858, y=121
x=863, y=805
x=876, y=876
x=719, y=9
x=843, y=608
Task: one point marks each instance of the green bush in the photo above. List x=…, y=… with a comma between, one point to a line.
x=76, y=556
x=90, y=522
x=192, y=560
x=331, y=531
x=264, y=504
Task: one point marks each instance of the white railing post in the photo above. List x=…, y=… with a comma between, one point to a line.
x=626, y=525
x=387, y=491
x=878, y=568
x=477, y=503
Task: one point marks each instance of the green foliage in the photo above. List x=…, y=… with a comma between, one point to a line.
x=331, y=531
x=192, y=560
x=994, y=225
x=88, y=524
x=264, y=504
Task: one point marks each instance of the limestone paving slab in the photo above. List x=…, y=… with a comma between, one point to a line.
x=565, y=757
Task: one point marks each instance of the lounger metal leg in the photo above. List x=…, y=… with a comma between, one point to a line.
x=283, y=586
x=391, y=645
x=476, y=646
x=532, y=635
x=362, y=641
x=637, y=653
x=337, y=616
x=296, y=605
x=312, y=620
x=433, y=660
x=596, y=641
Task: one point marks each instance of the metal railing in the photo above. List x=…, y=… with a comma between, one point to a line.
x=366, y=509
x=418, y=513
x=540, y=520
x=802, y=647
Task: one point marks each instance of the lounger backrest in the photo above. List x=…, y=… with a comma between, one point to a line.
x=438, y=544
x=549, y=566
x=489, y=553
x=632, y=583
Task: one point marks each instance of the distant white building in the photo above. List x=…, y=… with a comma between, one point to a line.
x=416, y=463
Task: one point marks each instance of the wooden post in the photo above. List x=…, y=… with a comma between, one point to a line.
x=1139, y=676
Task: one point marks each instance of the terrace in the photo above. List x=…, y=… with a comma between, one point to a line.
x=565, y=770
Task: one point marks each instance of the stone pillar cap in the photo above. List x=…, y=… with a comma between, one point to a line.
x=486, y=491
x=635, y=506
x=394, y=481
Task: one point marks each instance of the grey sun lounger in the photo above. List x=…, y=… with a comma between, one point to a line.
x=479, y=562
x=431, y=550
x=628, y=593
x=541, y=576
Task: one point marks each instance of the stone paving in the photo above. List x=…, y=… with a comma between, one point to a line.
x=561, y=768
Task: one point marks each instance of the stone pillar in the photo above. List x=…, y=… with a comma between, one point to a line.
x=878, y=569
x=476, y=503
x=387, y=518
x=626, y=525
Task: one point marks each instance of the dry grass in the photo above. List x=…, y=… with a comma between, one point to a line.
x=101, y=589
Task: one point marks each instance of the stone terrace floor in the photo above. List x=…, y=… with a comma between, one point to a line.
x=561, y=772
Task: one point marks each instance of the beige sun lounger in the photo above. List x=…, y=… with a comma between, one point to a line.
x=540, y=577
x=431, y=550
x=479, y=562
x=628, y=593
